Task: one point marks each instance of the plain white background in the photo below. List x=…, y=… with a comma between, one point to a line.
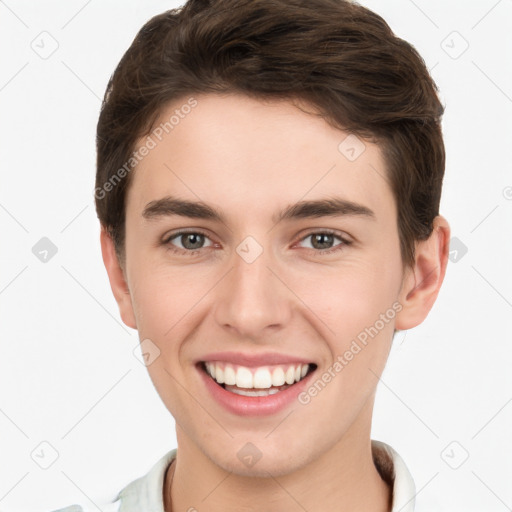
x=69, y=375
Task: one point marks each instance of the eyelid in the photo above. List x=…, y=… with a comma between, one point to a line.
x=184, y=231
x=327, y=231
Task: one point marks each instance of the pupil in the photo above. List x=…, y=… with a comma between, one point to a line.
x=317, y=240
x=196, y=240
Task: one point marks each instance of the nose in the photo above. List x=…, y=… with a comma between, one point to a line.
x=251, y=300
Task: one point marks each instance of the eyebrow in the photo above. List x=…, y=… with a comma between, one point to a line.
x=331, y=207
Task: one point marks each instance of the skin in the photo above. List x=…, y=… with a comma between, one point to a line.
x=249, y=159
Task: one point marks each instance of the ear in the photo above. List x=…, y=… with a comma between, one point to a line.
x=117, y=280
x=421, y=284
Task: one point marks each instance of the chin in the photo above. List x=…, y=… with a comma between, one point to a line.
x=277, y=467
x=251, y=462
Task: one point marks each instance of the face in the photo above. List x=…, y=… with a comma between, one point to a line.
x=261, y=251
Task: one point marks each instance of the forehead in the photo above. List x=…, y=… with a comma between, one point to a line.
x=246, y=155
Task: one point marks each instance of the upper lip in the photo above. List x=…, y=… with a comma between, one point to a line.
x=252, y=360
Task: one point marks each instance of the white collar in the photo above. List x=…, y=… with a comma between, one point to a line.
x=389, y=462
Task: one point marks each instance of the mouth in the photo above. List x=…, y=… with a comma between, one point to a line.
x=257, y=381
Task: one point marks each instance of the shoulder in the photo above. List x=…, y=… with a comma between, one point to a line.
x=144, y=493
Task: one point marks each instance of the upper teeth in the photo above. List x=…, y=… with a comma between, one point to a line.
x=262, y=377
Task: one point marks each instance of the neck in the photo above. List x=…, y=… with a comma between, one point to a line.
x=344, y=478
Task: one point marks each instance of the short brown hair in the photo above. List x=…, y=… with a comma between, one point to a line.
x=337, y=56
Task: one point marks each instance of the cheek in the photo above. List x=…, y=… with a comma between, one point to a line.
x=165, y=299
x=355, y=302
x=349, y=298
x=159, y=306
x=164, y=304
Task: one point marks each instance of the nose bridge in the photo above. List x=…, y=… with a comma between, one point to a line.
x=251, y=298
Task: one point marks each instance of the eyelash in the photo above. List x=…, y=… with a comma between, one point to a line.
x=341, y=246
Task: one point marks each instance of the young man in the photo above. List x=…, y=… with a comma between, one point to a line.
x=268, y=183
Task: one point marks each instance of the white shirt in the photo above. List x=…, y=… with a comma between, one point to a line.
x=145, y=494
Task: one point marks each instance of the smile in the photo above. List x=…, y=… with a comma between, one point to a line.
x=256, y=381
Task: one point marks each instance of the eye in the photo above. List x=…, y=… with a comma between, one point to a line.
x=321, y=241
x=186, y=241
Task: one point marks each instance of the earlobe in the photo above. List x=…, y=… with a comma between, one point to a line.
x=422, y=283
x=117, y=280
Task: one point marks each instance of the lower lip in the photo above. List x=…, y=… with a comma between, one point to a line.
x=254, y=405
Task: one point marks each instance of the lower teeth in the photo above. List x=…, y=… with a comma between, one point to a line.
x=254, y=392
